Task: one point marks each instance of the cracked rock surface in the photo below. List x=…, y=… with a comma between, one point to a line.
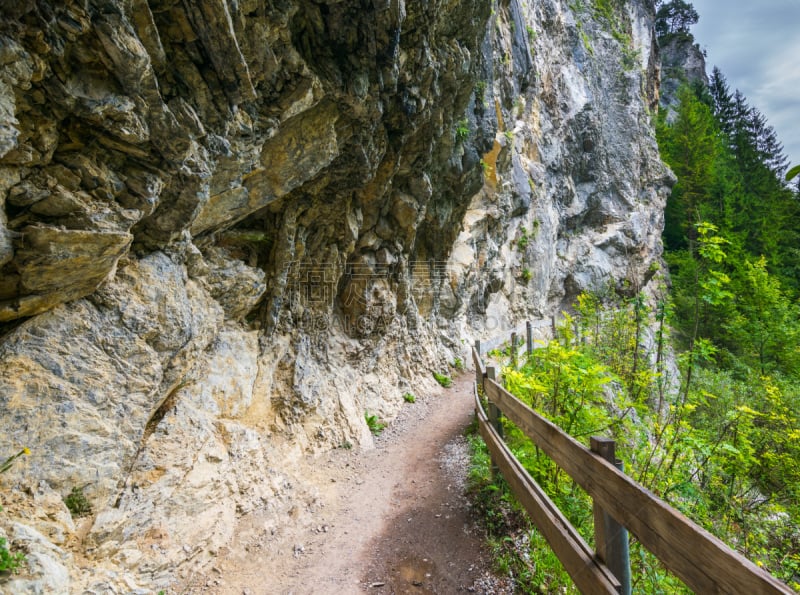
x=229, y=229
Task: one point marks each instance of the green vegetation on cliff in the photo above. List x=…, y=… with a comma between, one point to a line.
x=718, y=444
x=731, y=240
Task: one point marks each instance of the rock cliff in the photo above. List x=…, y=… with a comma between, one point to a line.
x=683, y=62
x=228, y=229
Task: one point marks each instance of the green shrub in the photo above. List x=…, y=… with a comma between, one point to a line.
x=77, y=504
x=462, y=130
x=9, y=562
x=374, y=424
x=442, y=379
x=409, y=398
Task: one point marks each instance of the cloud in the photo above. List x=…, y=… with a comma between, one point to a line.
x=756, y=46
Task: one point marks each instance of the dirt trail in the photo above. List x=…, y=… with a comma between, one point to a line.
x=390, y=520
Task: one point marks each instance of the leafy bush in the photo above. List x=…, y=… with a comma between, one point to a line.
x=442, y=379
x=374, y=424
x=462, y=130
x=77, y=504
x=9, y=562
x=409, y=398
x=722, y=449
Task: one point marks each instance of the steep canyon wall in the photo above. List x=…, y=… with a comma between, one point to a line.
x=228, y=229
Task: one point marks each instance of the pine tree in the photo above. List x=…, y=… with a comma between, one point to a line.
x=675, y=18
x=723, y=100
x=690, y=146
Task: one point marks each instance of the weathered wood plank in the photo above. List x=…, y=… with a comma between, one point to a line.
x=529, y=336
x=610, y=537
x=480, y=368
x=697, y=557
x=578, y=559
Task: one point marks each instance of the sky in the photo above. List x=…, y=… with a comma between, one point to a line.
x=756, y=45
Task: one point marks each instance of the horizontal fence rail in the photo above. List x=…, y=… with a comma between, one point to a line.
x=586, y=571
x=701, y=560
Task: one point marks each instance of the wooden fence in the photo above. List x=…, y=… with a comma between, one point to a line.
x=702, y=561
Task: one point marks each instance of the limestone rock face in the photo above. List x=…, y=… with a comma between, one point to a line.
x=228, y=229
x=236, y=286
x=574, y=188
x=82, y=380
x=683, y=63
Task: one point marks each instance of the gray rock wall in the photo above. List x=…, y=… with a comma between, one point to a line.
x=683, y=63
x=574, y=188
x=227, y=230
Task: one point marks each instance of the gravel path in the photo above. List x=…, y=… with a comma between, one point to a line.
x=389, y=520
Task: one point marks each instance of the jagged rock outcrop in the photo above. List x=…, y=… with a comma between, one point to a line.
x=683, y=63
x=228, y=229
x=573, y=180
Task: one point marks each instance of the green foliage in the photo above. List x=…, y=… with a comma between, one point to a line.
x=611, y=13
x=565, y=384
x=606, y=8
x=409, y=398
x=723, y=446
x=531, y=33
x=6, y=465
x=568, y=381
x=76, y=502
x=675, y=17
x=458, y=364
x=518, y=550
x=462, y=130
x=9, y=562
x=793, y=173
x=631, y=57
x=526, y=275
x=730, y=173
x=374, y=424
x=525, y=237
x=692, y=148
x=727, y=451
x=587, y=44
x=444, y=380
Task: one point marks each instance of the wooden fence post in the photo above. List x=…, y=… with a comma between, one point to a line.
x=494, y=414
x=529, y=336
x=514, y=349
x=494, y=411
x=478, y=375
x=610, y=537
